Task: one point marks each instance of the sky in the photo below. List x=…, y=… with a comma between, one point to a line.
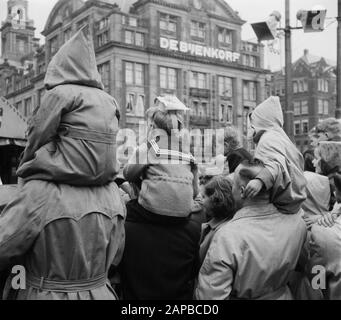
x=320, y=44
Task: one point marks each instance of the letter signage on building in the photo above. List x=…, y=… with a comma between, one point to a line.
x=198, y=50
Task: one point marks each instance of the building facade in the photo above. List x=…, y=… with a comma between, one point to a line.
x=145, y=48
x=314, y=94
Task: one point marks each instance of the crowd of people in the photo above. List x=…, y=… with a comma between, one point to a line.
x=162, y=230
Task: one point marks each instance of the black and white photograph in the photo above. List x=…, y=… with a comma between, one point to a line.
x=177, y=153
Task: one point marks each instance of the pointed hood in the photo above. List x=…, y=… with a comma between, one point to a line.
x=268, y=115
x=74, y=63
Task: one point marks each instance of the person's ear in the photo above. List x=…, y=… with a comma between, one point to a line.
x=242, y=192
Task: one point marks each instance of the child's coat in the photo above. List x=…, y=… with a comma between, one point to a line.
x=72, y=136
x=283, y=162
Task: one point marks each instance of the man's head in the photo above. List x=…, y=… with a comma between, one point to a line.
x=231, y=140
x=245, y=172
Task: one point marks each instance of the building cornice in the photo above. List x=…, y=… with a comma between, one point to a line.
x=162, y=3
x=38, y=77
x=21, y=91
x=45, y=33
x=233, y=20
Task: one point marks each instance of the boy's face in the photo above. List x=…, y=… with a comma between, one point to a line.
x=206, y=202
x=238, y=188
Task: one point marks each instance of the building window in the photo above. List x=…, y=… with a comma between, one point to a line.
x=139, y=74
x=67, y=34
x=320, y=106
x=168, y=23
x=224, y=37
x=128, y=37
x=102, y=24
x=201, y=112
x=198, y=80
x=139, y=39
x=253, y=62
x=168, y=78
x=132, y=21
x=305, y=126
x=103, y=38
x=104, y=71
x=194, y=109
x=54, y=45
x=323, y=85
x=225, y=87
x=297, y=108
x=326, y=107
x=18, y=106
x=21, y=45
x=134, y=73
x=300, y=86
x=297, y=128
x=28, y=107
x=226, y=113
x=295, y=87
x=304, y=107
x=135, y=38
x=250, y=91
x=130, y=103
x=198, y=29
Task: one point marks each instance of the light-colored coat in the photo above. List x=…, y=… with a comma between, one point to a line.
x=318, y=194
x=325, y=251
x=284, y=164
x=72, y=135
x=252, y=256
x=66, y=238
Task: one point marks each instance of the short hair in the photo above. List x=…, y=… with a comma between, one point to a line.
x=337, y=181
x=219, y=191
x=231, y=140
x=327, y=169
x=166, y=120
x=331, y=125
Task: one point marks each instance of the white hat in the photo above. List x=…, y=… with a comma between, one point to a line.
x=170, y=103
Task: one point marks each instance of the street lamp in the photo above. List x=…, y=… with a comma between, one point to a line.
x=312, y=21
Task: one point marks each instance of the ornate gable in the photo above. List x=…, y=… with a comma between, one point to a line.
x=301, y=69
x=62, y=11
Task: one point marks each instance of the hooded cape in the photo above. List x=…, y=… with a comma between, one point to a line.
x=283, y=162
x=68, y=66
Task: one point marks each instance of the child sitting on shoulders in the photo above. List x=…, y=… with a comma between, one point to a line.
x=284, y=164
x=168, y=177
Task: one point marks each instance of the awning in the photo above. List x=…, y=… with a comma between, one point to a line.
x=13, y=125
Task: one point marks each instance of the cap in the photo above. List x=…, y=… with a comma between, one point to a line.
x=170, y=103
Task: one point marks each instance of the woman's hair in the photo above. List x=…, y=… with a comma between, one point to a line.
x=308, y=161
x=166, y=120
x=219, y=192
x=337, y=181
x=330, y=125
